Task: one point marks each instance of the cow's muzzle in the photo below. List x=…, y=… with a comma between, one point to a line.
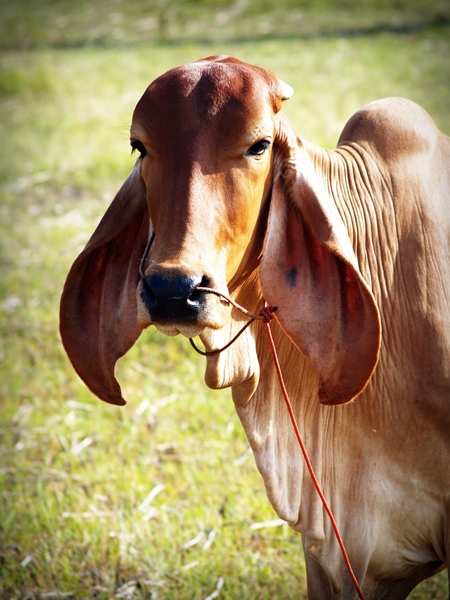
x=170, y=299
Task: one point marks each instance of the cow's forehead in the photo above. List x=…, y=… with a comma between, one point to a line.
x=208, y=87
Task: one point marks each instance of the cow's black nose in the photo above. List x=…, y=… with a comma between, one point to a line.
x=173, y=298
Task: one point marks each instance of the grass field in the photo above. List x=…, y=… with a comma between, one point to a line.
x=159, y=499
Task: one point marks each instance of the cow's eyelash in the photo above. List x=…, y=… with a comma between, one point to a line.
x=139, y=146
x=258, y=148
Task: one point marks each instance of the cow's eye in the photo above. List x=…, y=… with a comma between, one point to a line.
x=139, y=146
x=258, y=148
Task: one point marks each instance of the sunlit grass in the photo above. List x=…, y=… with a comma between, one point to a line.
x=76, y=517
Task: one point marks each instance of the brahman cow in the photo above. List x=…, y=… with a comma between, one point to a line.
x=352, y=245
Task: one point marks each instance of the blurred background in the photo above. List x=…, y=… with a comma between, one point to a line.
x=63, y=24
x=161, y=498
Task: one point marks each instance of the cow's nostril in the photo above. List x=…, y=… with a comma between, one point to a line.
x=148, y=295
x=198, y=295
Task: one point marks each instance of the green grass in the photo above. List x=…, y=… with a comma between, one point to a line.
x=65, y=24
x=75, y=473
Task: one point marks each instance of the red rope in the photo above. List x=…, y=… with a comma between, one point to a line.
x=268, y=314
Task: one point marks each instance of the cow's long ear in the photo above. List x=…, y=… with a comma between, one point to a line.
x=309, y=270
x=98, y=306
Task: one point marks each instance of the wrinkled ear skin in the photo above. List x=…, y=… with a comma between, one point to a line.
x=98, y=305
x=309, y=270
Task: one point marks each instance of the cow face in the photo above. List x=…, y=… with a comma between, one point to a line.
x=205, y=134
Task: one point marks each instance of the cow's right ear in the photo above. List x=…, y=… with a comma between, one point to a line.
x=310, y=272
x=98, y=312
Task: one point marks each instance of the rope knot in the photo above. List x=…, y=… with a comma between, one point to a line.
x=267, y=313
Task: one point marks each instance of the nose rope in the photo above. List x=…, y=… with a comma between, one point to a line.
x=265, y=316
x=219, y=350
x=261, y=316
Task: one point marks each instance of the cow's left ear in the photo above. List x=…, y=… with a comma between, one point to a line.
x=98, y=311
x=309, y=270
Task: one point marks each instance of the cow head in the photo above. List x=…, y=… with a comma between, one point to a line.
x=205, y=134
x=215, y=155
